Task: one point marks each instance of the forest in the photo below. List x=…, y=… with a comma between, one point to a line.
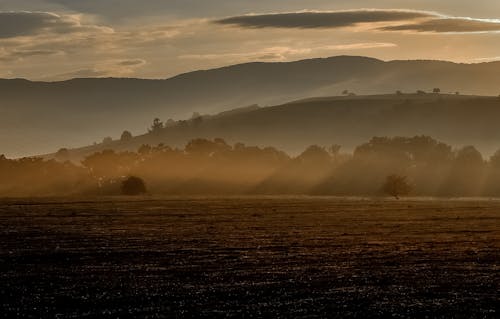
x=213, y=167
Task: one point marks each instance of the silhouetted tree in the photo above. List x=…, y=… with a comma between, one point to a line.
x=420, y=92
x=133, y=186
x=126, y=136
x=345, y=92
x=314, y=154
x=157, y=126
x=396, y=185
x=436, y=90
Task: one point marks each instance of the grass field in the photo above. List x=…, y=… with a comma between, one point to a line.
x=252, y=257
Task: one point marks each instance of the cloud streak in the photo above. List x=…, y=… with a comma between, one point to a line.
x=27, y=23
x=322, y=19
x=380, y=20
x=449, y=25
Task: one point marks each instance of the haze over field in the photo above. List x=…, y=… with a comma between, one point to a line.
x=249, y=158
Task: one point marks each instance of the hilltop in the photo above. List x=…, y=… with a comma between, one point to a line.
x=345, y=120
x=82, y=111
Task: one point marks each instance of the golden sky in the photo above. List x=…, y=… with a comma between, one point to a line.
x=61, y=39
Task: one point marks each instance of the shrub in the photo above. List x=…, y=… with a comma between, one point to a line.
x=396, y=185
x=133, y=186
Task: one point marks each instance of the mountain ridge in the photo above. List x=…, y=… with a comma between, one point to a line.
x=85, y=110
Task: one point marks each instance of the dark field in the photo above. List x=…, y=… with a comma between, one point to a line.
x=250, y=257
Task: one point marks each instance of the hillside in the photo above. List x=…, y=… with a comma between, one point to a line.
x=349, y=121
x=86, y=110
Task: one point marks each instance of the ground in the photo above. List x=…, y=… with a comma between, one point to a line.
x=249, y=257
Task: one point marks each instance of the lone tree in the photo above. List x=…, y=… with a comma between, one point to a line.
x=436, y=90
x=126, y=136
x=157, y=126
x=133, y=186
x=396, y=185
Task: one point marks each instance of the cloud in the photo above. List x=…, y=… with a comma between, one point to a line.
x=361, y=46
x=381, y=20
x=449, y=25
x=323, y=19
x=13, y=24
x=26, y=23
x=134, y=62
x=21, y=54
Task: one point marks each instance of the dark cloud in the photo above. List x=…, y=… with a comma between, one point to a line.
x=394, y=20
x=448, y=25
x=26, y=23
x=332, y=19
x=134, y=62
x=23, y=23
x=126, y=9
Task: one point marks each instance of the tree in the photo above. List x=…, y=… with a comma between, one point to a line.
x=107, y=140
x=133, y=186
x=126, y=136
x=420, y=92
x=398, y=92
x=345, y=92
x=157, y=126
x=396, y=185
x=436, y=90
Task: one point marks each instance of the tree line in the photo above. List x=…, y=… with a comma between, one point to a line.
x=420, y=166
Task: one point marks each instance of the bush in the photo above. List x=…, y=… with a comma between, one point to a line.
x=396, y=185
x=133, y=186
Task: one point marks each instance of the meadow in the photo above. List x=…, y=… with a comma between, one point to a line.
x=277, y=256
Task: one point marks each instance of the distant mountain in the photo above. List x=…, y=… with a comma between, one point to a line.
x=39, y=117
x=349, y=121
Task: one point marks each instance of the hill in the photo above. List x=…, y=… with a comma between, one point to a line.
x=349, y=121
x=38, y=117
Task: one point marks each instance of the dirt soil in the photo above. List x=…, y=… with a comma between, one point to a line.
x=298, y=257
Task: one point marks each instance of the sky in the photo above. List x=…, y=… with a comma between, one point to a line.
x=51, y=40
